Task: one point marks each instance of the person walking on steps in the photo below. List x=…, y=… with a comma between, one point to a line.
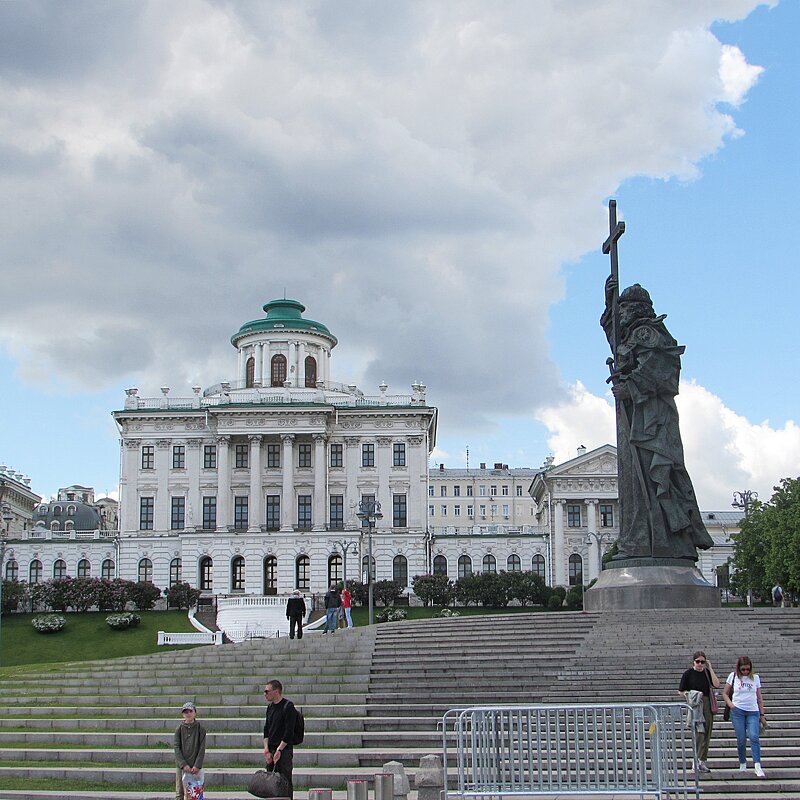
x=332, y=603
x=742, y=694
x=347, y=604
x=295, y=613
x=279, y=728
x=700, y=677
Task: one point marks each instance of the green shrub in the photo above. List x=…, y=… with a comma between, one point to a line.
x=144, y=595
x=446, y=613
x=49, y=623
x=121, y=622
x=182, y=596
x=436, y=590
x=575, y=598
x=555, y=601
x=15, y=594
x=386, y=592
x=391, y=614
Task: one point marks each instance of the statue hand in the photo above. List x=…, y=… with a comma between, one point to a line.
x=620, y=391
x=611, y=288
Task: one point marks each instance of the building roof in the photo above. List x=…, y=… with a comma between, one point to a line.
x=284, y=315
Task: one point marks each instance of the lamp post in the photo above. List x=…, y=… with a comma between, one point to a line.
x=369, y=511
x=344, y=546
x=600, y=538
x=8, y=516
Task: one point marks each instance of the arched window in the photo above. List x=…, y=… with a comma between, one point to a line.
x=70, y=511
x=302, y=573
x=237, y=574
x=513, y=564
x=575, y=570
x=250, y=373
x=35, y=571
x=55, y=525
x=69, y=525
x=270, y=575
x=175, y=571
x=58, y=510
x=538, y=566
x=107, y=569
x=464, y=566
x=278, y=370
x=400, y=570
x=12, y=570
x=60, y=569
x=311, y=372
x=489, y=563
x=206, y=574
x=334, y=569
x=145, y=570
x=439, y=565
x=364, y=568
x=84, y=568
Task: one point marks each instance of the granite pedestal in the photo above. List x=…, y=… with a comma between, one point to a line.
x=633, y=584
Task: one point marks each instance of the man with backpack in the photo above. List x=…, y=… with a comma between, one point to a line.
x=283, y=729
x=777, y=595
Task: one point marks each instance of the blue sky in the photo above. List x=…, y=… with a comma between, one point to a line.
x=431, y=183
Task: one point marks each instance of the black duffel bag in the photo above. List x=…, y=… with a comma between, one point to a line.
x=268, y=783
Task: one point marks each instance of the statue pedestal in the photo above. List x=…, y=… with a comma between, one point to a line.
x=626, y=585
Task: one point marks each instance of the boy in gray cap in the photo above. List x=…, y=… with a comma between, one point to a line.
x=190, y=747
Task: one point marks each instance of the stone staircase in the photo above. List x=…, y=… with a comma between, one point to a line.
x=371, y=695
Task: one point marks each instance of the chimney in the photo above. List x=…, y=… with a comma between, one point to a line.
x=581, y=450
x=498, y=465
x=483, y=465
x=441, y=467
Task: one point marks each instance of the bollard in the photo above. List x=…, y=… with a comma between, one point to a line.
x=384, y=786
x=429, y=779
x=356, y=789
x=320, y=794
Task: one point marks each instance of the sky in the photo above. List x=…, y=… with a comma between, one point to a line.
x=430, y=179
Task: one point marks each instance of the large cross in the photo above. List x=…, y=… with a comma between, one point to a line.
x=615, y=231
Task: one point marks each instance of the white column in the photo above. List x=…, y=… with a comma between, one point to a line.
x=194, y=510
x=301, y=364
x=594, y=546
x=417, y=500
x=292, y=362
x=287, y=497
x=241, y=370
x=223, y=483
x=559, y=570
x=162, y=510
x=352, y=466
x=258, y=357
x=320, y=481
x=266, y=366
x=383, y=456
x=129, y=486
x=255, y=505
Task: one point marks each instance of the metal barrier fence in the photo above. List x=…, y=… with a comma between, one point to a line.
x=621, y=749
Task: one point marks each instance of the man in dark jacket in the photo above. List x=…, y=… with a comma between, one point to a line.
x=279, y=730
x=332, y=603
x=295, y=612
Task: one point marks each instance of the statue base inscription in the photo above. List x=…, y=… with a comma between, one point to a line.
x=622, y=587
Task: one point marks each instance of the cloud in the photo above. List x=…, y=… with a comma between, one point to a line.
x=398, y=169
x=723, y=450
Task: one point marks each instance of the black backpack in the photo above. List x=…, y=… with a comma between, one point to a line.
x=299, y=727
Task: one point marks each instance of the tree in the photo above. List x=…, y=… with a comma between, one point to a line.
x=435, y=590
x=181, y=596
x=386, y=592
x=144, y=595
x=15, y=594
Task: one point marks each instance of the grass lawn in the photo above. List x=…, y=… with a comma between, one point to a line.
x=85, y=637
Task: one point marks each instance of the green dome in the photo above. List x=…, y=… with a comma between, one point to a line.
x=284, y=315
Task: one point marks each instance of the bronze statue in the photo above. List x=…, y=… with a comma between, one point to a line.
x=659, y=516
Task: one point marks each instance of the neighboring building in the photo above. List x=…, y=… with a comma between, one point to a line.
x=16, y=499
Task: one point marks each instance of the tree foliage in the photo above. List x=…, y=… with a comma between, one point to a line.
x=433, y=590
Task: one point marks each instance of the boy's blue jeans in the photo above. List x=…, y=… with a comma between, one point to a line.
x=746, y=725
x=331, y=615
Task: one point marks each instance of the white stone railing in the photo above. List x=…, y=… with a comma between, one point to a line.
x=246, y=633
x=490, y=529
x=45, y=533
x=165, y=638
x=252, y=601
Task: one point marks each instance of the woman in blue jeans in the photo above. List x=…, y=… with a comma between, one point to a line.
x=742, y=694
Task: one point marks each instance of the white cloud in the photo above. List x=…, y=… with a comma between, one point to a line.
x=737, y=76
x=723, y=450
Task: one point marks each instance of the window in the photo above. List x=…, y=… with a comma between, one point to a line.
x=71, y=511
x=431, y=511
x=399, y=454
x=35, y=571
x=606, y=516
x=430, y=491
x=12, y=570
x=145, y=570
x=273, y=456
x=439, y=565
x=456, y=491
x=573, y=516
x=470, y=511
x=304, y=512
x=242, y=456
x=494, y=509
x=146, y=511
x=513, y=563
x=209, y=456
x=464, y=566
x=538, y=566
x=175, y=571
x=399, y=511
x=84, y=569
x=443, y=491
x=400, y=570
x=273, y=512
x=250, y=373
x=367, y=455
x=206, y=574
x=482, y=510
x=304, y=455
x=209, y=513
x=302, y=573
x=469, y=490
x=489, y=563
x=107, y=569
x=148, y=456
x=311, y=372
x=240, y=513
x=270, y=575
x=69, y=525
x=364, y=576
x=336, y=512
x=504, y=490
x=575, y=570
x=334, y=569
x=237, y=574
x=444, y=511
x=505, y=510
x=278, y=370
x=179, y=457
x=494, y=491
x=519, y=491
x=482, y=491
x=337, y=455
x=456, y=511
x=178, y=514
x=369, y=502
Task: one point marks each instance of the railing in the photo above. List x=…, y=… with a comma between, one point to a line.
x=250, y=601
x=246, y=633
x=491, y=529
x=165, y=638
x=635, y=749
x=60, y=535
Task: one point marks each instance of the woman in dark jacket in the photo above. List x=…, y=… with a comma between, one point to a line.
x=702, y=678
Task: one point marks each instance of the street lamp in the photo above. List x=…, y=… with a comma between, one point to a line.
x=345, y=546
x=744, y=499
x=600, y=538
x=369, y=511
x=8, y=516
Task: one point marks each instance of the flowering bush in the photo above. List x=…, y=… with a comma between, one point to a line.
x=391, y=614
x=119, y=622
x=448, y=612
x=49, y=623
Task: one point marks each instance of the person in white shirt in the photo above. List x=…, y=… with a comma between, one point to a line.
x=742, y=694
